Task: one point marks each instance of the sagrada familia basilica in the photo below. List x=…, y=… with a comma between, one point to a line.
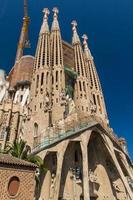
x=54, y=101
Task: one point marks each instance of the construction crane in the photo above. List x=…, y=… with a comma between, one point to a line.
x=24, y=38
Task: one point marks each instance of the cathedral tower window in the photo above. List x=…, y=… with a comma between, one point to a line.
x=35, y=129
x=80, y=86
x=60, y=52
x=52, y=79
x=47, y=77
x=98, y=100
x=61, y=75
x=56, y=76
x=39, y=59
x=44, y=47
x=56, y=49
x=94, y=99
x=37, y=81
x=84, y=87
x=42, y=78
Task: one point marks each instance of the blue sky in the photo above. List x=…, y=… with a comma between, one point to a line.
x=109, y=27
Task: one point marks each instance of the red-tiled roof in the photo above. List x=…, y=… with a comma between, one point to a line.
x=7, y=159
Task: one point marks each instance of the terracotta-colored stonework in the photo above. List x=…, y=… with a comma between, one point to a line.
x=17, y=179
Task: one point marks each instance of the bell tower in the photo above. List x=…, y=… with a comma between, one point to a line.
x=41, y=80
x=97, y=99
x=81, y=94
x=57, y=65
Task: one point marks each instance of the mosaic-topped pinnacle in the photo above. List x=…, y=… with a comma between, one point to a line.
x=45, y=27
x=75, y=38
x=74, y=25
x=46, y=13
x=85, y=37
x=56, y=11
x=55, y=24
x=86, y=48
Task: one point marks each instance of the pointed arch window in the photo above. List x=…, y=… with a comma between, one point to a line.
x=52, y=79
x=44, y=49
x=48, y=51
x=56, y=49
x=56, y=76
x=61, y=75
x=35, y=129
x=47, y=77
x=84, y=87
x=80, y=86
x=37, y=81
x=40, y=50
x=42, y=78
x=94, y=99
x=60, y=43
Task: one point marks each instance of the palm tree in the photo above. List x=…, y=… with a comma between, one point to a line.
x=21, y=150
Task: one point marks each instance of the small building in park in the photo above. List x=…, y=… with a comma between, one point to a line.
x=17, y=178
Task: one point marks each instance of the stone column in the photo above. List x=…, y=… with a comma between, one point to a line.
x=14, y=126
x=7, y=129
x=60, y=158
x=84, y=149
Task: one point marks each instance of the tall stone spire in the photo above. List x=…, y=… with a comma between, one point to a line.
x=75, y=38
x=42, y=58
x=55, y=24
x=41, y=82
x=58, y=76
x=81, y=95
x=97, y=100
x=87, y=52
x=45, y=26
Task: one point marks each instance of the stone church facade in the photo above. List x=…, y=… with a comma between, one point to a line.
x=55, y=102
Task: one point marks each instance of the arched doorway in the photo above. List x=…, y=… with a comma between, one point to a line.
x=71, y=178
x=48, y=178
x=104, y=177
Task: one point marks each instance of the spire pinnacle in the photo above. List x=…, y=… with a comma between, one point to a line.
x=56, y=11
x=45, y=27
x=75, y=38
x=46, y=13
x=86, y=48
x=55, y=24
x=85, y=39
